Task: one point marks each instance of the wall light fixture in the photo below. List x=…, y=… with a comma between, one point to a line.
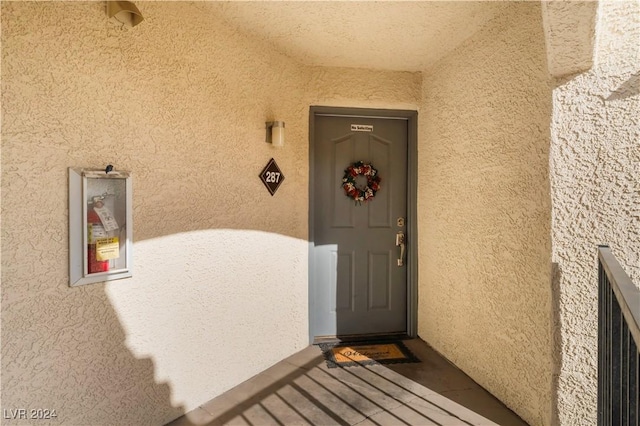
x=275, y=133
x=124, y=12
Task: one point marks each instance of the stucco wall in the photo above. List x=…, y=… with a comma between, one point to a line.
x=181, y=102
x=569, y=30
x=219, y=290
x=595, y=165
x=484, y=211
x=351, y=87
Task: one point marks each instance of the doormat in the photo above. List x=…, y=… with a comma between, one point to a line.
x=366, y=353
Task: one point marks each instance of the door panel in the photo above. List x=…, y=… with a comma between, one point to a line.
x=380, y=280
x=380, y=216
x=343, y=214
x=344, y=267
x=358, y=287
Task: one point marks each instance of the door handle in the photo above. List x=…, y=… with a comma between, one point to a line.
x=400, y=242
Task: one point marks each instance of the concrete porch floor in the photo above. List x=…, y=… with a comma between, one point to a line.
x=303, y=390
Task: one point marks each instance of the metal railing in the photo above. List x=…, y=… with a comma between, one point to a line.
x=618, y=342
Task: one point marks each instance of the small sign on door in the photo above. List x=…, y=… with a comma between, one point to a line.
x=361, y=128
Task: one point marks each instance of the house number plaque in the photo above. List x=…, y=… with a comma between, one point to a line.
x=272, y=176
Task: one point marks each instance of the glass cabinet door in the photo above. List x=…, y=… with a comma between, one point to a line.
x=100, y=225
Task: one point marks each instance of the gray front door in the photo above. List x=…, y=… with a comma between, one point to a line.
x=358, y=286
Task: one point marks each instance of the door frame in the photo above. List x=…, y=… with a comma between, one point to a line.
x=412, y=202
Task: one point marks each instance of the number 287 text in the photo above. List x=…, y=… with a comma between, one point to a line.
x=272, y=177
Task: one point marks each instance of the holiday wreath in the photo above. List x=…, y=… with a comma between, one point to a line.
x=359, y=194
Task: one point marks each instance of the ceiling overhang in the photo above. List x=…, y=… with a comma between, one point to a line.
x=386, y=35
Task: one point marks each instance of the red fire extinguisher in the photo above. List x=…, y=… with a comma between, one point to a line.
x=95, y=230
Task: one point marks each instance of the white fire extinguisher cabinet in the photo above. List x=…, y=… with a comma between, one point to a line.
x=100, y=225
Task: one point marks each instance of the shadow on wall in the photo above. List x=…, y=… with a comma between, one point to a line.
x=146, y=349
x=166, y=204
x=629, y=88
x=485, y=211
x=85, y=377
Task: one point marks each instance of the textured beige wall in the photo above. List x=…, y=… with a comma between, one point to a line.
x=569, y=30
x=350, y=87
x=219, y=290
x=219, y=265
x=484, y=211
x=595, y=165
